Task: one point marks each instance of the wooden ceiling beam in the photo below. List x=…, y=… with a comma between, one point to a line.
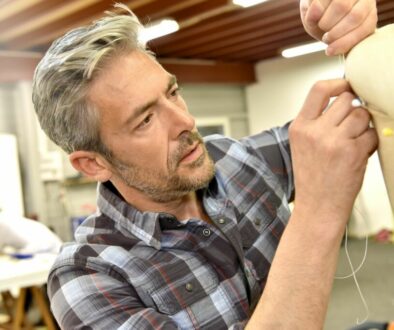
x=58, y=28
x=246, y=47
x=42, y=36
x=37, y=8
x=225, y=20
x=211, y=72
x=257, y=37
x=384, y=17
x=226, y=33
x=251, y=32
x=42, y=21
x=384, y=22
x=17, y=66
x=385, y=12
x=201, y=7
x=177, y=9
x=13, y=7
x=260, y=39
x=257, y=52
x=293, y=39
x=146, y=12
x=385, y=6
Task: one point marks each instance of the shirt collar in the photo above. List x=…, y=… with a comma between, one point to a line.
x=130, y=221
x=148, y=226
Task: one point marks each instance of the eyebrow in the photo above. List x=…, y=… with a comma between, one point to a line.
x=142, y=109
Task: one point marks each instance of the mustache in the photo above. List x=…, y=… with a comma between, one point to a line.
x=189, y=138
x=185, y=141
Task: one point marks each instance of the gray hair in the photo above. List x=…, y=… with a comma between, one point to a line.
x=62, y=78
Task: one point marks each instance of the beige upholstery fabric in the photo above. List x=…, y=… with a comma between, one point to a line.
x=370, y=70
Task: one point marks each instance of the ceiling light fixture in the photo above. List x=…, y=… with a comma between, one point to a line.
x=247, y=3
x=158, y=29
x=304, y=49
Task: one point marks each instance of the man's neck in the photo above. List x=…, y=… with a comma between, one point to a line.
x=185, y=207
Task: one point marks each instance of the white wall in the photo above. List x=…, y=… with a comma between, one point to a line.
x=283, y=85
x=276, y=98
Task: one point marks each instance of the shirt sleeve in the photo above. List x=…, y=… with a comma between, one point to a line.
x=87, y=299
x=273, y=148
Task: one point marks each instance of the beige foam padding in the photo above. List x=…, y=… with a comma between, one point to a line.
x=370, y=70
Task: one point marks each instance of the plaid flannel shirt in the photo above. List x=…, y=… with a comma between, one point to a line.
x=134, y=270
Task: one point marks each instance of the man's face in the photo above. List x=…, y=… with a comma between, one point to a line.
x=155, y=146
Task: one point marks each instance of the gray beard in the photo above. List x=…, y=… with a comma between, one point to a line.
x=172, y=186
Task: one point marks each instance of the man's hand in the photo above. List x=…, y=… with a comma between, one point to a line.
x=339, y=23
x=330, y=149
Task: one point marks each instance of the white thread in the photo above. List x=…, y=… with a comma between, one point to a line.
x=361, y=263
x=353, y=272
x=355, y=281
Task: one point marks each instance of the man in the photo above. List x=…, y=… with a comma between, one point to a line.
x=186, y=231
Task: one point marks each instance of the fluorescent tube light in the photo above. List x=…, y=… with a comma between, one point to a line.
x=304, y=49
x=158, y=29
x=247, y=3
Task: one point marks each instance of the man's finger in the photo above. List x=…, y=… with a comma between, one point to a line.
x=339, y=109
x=368, y=141
x=355, y=18
x=313, y=13
x=319, y=97
x=356, y=123
x=335, y=12
x=347, y=42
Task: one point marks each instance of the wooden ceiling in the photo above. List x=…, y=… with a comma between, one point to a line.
x=212, y=32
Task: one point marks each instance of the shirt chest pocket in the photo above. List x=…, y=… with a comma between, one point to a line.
x=182, y=284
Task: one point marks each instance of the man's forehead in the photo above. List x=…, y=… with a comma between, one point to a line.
x=131, y=73
x=122, y=94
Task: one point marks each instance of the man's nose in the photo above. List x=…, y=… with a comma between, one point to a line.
x=180, y=120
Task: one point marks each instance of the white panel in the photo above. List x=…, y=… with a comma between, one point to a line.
x=10, y=191
x=7, y=115
x=26, y=127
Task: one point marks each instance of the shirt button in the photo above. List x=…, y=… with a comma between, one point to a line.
x=222, y=221
x=189, y=287
x=257, y=222
x=206, y=232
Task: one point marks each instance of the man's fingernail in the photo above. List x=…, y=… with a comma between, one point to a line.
x=325, y=38
x=330, y=51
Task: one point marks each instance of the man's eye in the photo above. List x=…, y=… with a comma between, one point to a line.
x=175, y=92
x=146, y=121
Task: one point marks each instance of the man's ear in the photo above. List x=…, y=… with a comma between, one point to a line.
x=91, y=164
